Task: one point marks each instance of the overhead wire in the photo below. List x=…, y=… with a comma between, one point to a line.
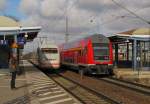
x=120, y=17
x=131, y=12
x=65, y=12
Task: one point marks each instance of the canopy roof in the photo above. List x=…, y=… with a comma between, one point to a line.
x=138, y=34
x=20, y=31
x=9, y=27
x=139, y=31
x=8, y=22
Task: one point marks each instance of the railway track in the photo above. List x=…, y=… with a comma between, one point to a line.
x=119, y=93
x=126, y=84
x=43, y=90
x=84, y=94
x=106, y=89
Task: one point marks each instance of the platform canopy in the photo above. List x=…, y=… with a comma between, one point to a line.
x=140, y=39
x=138, y=34
x=7, y=21
x=30, y=32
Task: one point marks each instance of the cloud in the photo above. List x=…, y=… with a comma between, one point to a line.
x=53, y=8
x=97, y=6
x=84, y=16
x=2, y=4
x=30, y=7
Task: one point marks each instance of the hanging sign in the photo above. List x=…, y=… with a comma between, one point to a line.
x=3, y=42
x=21, y=40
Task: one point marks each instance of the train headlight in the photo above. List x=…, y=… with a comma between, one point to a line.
x=106, y=57
x=96, y=58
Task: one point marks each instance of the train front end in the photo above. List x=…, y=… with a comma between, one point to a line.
x=50, y=58
x=102, y=55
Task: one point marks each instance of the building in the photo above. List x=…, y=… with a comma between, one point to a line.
x=131, y=49
x=13, y=38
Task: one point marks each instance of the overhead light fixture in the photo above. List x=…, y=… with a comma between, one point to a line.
x=127, y=41
x=26, y=35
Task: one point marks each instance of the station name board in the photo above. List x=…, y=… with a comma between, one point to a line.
x=3, y=42
x=21, y=40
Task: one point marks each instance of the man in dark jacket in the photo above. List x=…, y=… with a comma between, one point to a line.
x=13, y=70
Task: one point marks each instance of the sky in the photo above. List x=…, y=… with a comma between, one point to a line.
x=7, y=7
x=85, y=17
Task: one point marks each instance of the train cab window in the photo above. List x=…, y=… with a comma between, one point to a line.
x=101, y=51
x=49, y=50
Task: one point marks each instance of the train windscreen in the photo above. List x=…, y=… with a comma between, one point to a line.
x=101, y=51
x=49, y=50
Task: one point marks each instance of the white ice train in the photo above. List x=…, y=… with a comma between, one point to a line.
x=48, y=56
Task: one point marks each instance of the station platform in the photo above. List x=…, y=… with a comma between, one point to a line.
x=32, y=87
x=128, y=72
x=142, y=76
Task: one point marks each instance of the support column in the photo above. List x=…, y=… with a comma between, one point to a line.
x=116, y=55
x=141, y=57
x=144, y=59
x=134, y=54
x=127, y=51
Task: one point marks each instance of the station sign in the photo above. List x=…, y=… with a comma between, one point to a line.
x=21, y=40
x=3, y=42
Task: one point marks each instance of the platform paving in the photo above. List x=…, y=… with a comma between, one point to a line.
x=32, y=87
x=17, y=96
x=130, y=73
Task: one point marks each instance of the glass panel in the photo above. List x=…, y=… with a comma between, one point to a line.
x=49, y=50
x=100, y=45
x=101, y=51
x=145, y=54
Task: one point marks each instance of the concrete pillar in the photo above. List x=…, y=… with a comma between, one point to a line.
x=134, y=54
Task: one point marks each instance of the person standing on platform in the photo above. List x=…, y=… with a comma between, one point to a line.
x=13, y=70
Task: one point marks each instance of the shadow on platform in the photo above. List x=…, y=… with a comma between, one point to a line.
x=20, y=100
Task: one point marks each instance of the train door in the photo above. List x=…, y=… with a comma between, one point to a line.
x=85, y=55
x=79, y=56
x=75, y=57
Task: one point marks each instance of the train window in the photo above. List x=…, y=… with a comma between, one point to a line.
x=100, y=44
x=49, y=50
x=101, y=52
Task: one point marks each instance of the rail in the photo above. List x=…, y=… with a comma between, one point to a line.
x=109, y=99
x=126, y=84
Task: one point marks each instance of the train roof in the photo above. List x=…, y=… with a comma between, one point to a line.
x=96, y=38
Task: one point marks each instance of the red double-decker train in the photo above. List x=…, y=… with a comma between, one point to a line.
x=93, y=54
